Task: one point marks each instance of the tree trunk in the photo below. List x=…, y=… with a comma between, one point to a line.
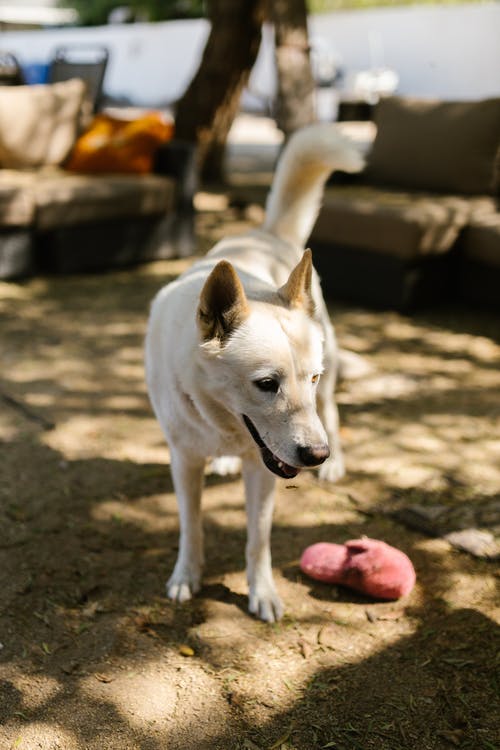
x=207, y=109
x=295, y=100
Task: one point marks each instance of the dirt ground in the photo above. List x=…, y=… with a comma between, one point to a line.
x=92, y=654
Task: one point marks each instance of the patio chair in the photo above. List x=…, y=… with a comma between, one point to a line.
x=10, y=70
x=86, y=62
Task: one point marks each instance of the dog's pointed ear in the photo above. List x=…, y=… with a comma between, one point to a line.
x=297, y=292
x=223, y=305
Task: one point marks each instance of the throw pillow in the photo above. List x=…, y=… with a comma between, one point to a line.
x=435, y=145
x=38, y=124
x=115, y=145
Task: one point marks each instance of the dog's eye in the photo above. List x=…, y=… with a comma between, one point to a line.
x=270, y=385
x=315, y=379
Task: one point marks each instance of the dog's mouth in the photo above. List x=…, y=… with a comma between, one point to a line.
x=273, y=463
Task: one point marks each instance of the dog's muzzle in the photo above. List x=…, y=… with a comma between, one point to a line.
x=273, y=463
x=308, y=456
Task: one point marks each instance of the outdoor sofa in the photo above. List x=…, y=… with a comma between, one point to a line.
x=55, y=220
x=421, y=223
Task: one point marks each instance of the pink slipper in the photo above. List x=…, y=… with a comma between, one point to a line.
x=367, y=565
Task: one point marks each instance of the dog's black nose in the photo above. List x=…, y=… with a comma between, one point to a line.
x=313, y=455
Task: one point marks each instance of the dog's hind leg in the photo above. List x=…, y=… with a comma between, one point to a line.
x=187, y=474
x=264, y=601
x=333, y=468
x=224, y=466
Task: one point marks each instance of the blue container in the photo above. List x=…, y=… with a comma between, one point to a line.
x=35, y=72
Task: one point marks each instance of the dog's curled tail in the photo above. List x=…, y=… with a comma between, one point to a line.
x=308, y=159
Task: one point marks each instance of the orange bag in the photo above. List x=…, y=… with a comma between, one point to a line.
x=114, y=145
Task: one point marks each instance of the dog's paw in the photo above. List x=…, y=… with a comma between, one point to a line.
x=264, y=603
x=183, y=584
x=332, y=470
x=224, y=466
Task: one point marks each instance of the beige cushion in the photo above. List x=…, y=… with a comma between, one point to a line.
x=38, y=124
x=434, y=145
x=404, y=225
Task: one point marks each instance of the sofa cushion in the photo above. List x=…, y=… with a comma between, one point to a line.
x=481, y=239
x=434, y=145
x=64, y=199
x=402, y=224
x=51, y=197
x=38, y=124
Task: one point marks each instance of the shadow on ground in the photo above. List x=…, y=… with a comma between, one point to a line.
x=92, y=654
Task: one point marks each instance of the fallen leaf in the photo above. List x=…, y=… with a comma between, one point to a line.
x=103, y=677
x=266, y=703
x=186, y=650
x=327, y=637
x=281, y=740
x=391, y=616
x=305, y=648
x=370, y=616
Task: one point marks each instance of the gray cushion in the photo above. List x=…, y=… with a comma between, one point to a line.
x=434, y=145
x=404, y=225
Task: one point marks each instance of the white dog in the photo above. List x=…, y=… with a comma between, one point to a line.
x=241, y=360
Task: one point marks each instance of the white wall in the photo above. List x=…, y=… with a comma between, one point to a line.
x=151, y=64
x=450, y=51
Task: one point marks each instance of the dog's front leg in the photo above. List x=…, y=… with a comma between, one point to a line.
x=187, y=474
x=264, y=601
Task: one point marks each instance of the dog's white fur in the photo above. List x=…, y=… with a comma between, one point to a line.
x=245, y=331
